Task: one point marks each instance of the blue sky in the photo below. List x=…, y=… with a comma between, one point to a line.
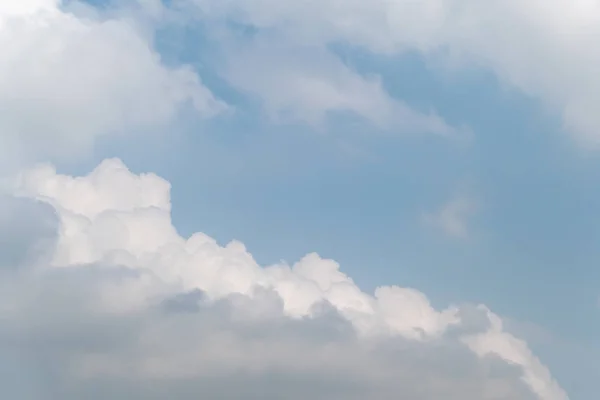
x=372, y=196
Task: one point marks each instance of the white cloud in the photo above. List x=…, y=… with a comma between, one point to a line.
x=91, y=313
x=515, y=351
x=308, y=83
x=66, y=79
x=453, y=217
x=547, y=49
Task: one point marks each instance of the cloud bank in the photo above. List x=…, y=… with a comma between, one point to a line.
x=119, y=304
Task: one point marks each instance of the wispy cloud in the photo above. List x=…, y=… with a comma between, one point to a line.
x=453, y=217
x=546, y=51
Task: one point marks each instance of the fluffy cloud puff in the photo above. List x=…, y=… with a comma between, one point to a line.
x=67, y=77
x=544, y=48
x=118, y=305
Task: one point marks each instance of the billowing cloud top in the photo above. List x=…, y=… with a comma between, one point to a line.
x=197, y=313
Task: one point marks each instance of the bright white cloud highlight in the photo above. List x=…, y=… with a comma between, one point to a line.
x=112, y=217
x=66, y=79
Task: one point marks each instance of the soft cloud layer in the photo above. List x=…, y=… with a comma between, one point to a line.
x=128, y=307
x=546, y=49
x=66, y=79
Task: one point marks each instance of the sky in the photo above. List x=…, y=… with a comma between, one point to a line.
x=261, y=199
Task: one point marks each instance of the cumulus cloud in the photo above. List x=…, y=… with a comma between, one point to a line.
x=125, y=307
x=68, y=77
x=546, y=49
